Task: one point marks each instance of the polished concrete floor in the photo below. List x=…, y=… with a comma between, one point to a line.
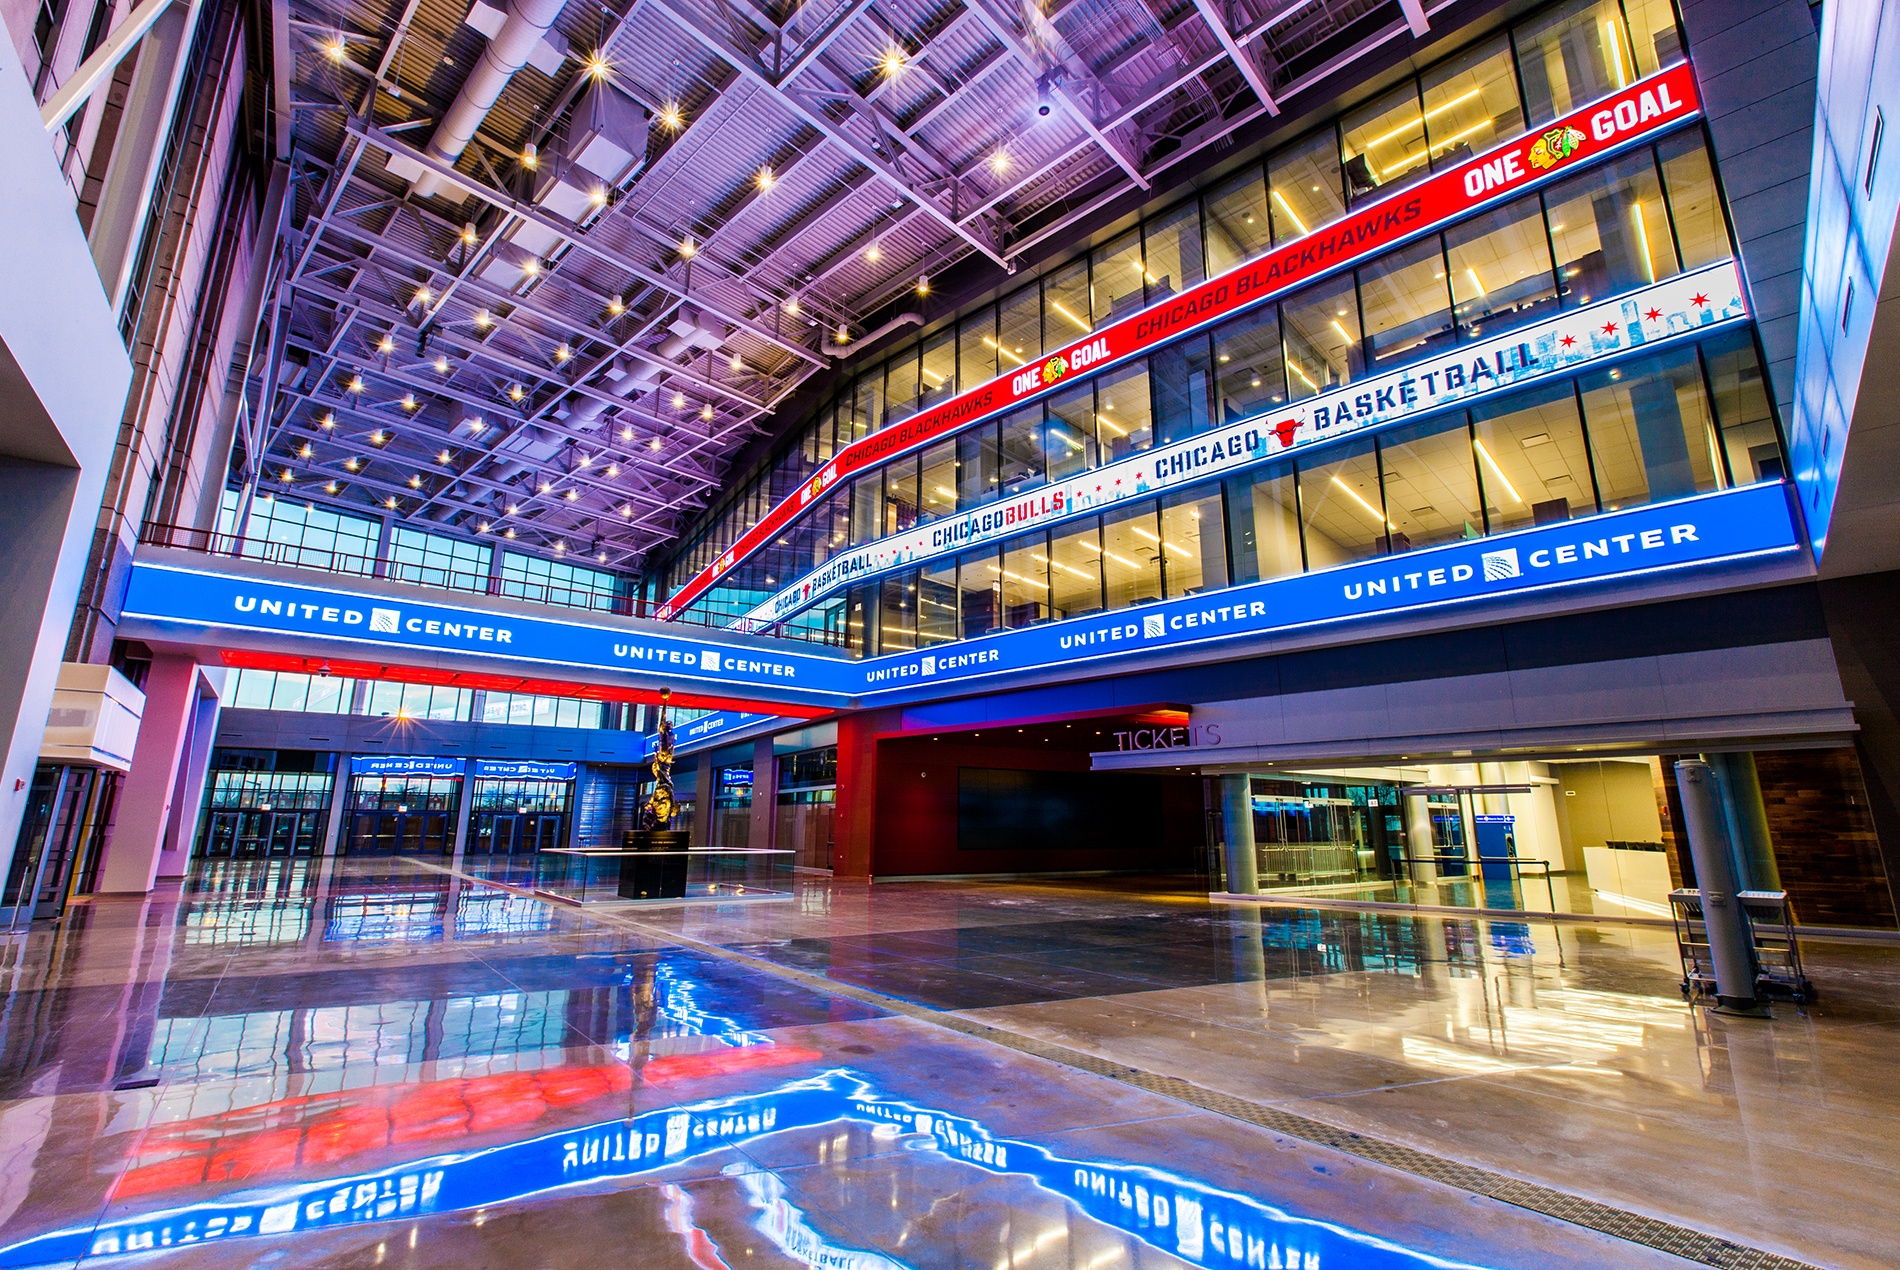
x=383, y=1064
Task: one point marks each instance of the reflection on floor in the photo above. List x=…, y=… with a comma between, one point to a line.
x=358, y=1064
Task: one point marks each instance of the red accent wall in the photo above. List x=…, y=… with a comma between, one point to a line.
x=916, y=830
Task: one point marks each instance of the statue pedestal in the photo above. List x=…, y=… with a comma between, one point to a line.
x=655, y=869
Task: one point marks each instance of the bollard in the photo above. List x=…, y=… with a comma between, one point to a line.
x=1731, y=947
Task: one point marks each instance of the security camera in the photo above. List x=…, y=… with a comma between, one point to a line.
x=1045, y=96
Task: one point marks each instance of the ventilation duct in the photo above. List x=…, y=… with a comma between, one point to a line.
x=897, y=323
x=518, y=36
x=622, y=379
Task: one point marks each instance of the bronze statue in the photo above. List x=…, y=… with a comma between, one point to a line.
x=657, y=812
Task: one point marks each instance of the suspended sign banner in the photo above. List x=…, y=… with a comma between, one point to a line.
x=1685, y=305
x=1628, y=115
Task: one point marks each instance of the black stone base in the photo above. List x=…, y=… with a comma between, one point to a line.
x=655, y=877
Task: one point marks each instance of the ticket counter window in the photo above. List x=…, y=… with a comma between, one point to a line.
x=403, y=815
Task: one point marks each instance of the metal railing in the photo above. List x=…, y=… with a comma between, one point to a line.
x=354, y=564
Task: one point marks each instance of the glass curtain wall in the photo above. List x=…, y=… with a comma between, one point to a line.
x=1613, y=226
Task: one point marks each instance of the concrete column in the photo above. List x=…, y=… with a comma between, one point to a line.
x=1236, y=817
x=182, y=826
x=339, y=803
x=854, y=823
x=145, y=804
x=764, y=794
x=63, y=377
x=464, y=808
x=704, y=787
x=1747, y=819
x=1730, y=947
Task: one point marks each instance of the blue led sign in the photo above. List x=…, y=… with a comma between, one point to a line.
x=1708, y=529
x=510, y=769
x=404, y=765
x=1731, y=525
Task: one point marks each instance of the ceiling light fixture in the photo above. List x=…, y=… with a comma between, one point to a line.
x=482, y=319
x=617, y=305
x=670, y=117
x=737, y=363
x=892, y=62
x=923, y=284
x=328, y=420
x=766, y=179
x=706, y=411
x=509, y=532
x=443, y=457
x=441, y=365
x=679, y=401
x=468, y=232
x=530, y=157
x=390, y=502
x=385, y=345
x=356, y=383
x=415, y=482
x=597, y=65
x=875, y=252
x=688, y=248
x=999, y=162
x=626, y=432
x=516, y=392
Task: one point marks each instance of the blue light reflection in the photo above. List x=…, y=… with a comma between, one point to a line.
x=1198, y=1223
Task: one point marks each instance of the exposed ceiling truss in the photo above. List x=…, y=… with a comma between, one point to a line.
x=450, y=345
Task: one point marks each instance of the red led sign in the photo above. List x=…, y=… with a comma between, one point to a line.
x=1660, y=101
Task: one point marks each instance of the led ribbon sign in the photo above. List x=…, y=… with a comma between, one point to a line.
x=1683, y=305
x=1640, y=110
x=1191, y=1220
x=1706, y=529
x=214, y=602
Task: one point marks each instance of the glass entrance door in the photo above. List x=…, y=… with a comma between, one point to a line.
x=501, y=833
x=245, y=835
x=400, y=833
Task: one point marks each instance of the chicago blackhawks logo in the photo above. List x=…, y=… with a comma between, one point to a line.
x=1554, y=147
x=1053, y=369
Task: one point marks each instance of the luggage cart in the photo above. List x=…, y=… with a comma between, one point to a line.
x=1777, y=954
x=1778, y=970
x=1692, y=942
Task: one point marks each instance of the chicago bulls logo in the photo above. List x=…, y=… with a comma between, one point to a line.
x=1285, y=430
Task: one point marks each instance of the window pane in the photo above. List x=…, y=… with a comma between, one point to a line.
x=867, y=508
x=1653, y=32
x=1742, y=410
x=1019, y=453
x=900, y=387
x=1569, y=55
x=1172, y=245
x=1384, y=143
x=1471, y=102
x=1075, y=569
x=1025, y=576
x=1070, y=444
x=1019, y=322
x=976, y=348
x=900, y=496
x=1407, y=305
x=254, y=689
x=1321, y=328
x=1123, y=418
x=1117, y=277
x=937, y=603
x=979, y=578
x=1181, y=389
x=1237, y=225
x=1339, y=506
x=940, y=367
x=1247, y=366
x=1431, y=484
x=1500, y=270
x=977, y=477
x=1131, y=556
x=1066, y=297
x=1649, y=429
x=1191, y=542
x=1304, y=185
x=897, y=613
x=937, y=488
x=1263, y=525
x=1701, y=229
x=860, y=605
x=1531, y=459
x=1609, y=230
x=867, y=410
